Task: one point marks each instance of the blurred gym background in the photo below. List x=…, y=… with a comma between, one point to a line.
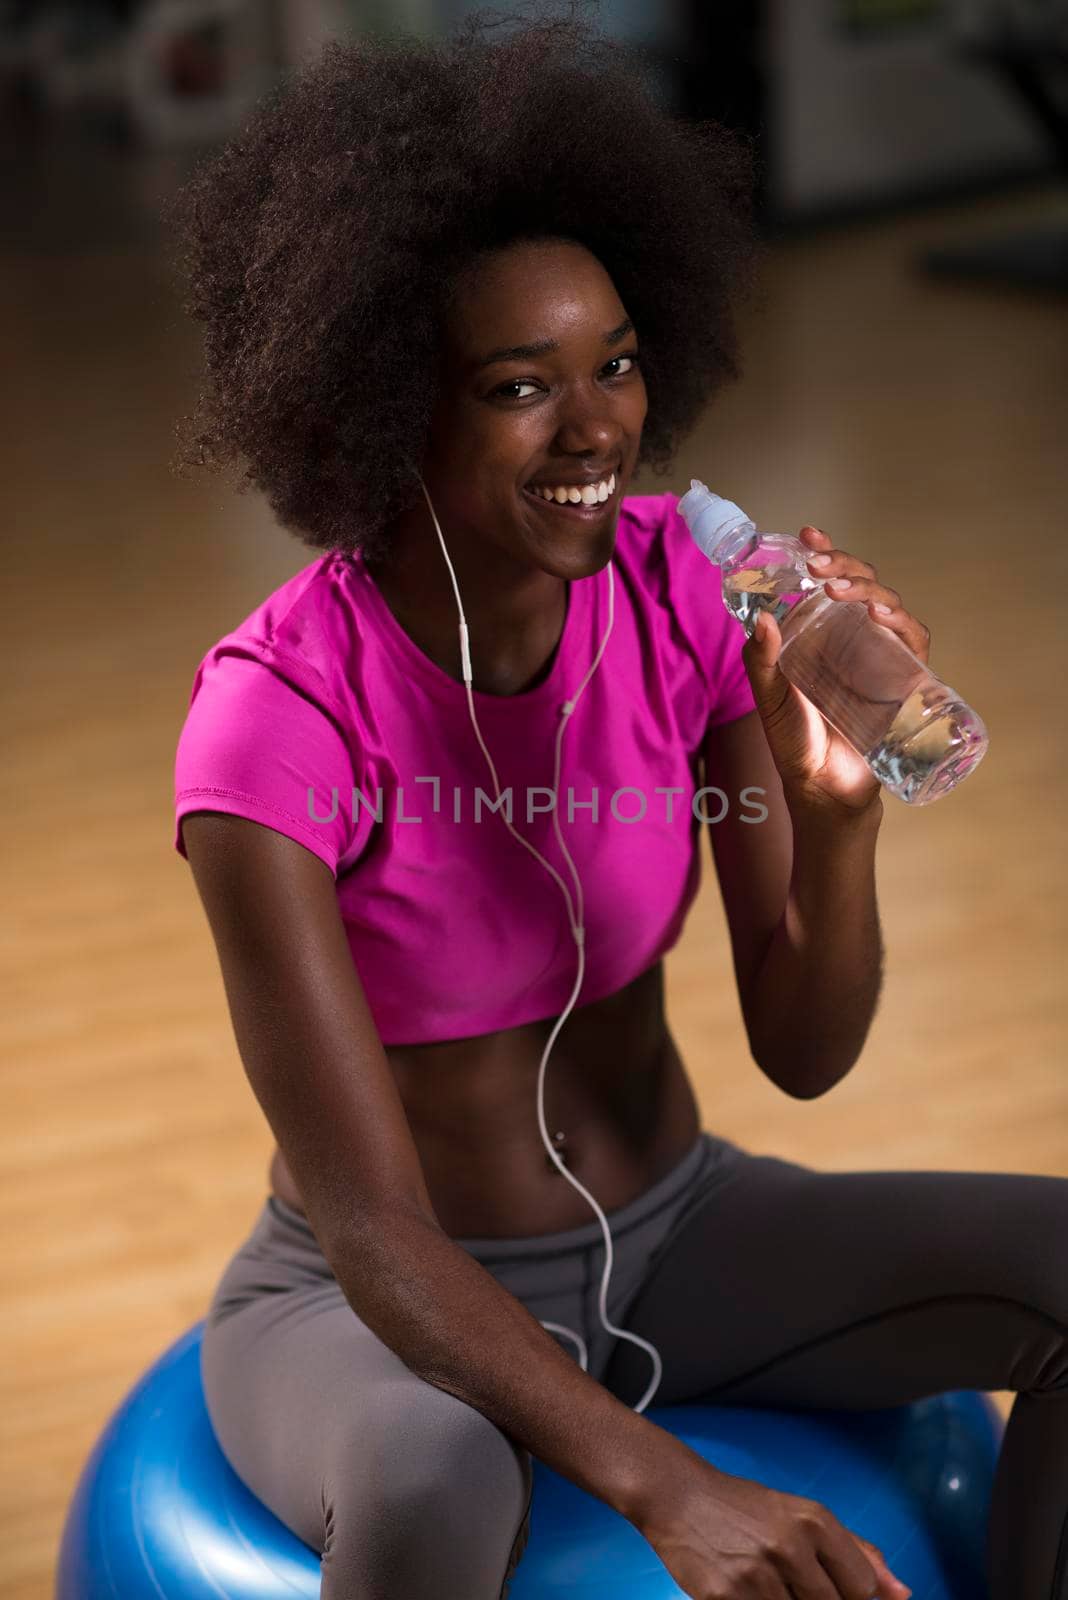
x=905, y=388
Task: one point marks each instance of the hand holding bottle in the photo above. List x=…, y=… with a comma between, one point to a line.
x=817, y=765
x=865, y=672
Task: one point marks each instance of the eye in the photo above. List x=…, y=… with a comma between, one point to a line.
x=527, y=383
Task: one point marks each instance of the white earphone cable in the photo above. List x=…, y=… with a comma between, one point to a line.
x=578, y=933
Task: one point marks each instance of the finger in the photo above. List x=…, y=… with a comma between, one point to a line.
x=760, y=655
x=847, y=1562
x=861, y=1565
x=761, y=650
x=826, y=561
x=852, y=586
x=908, y=628
x=833, y=563
x=815, y=1584
x=889, y=1585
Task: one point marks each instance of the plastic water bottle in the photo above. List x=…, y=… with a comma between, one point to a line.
x=917, y=735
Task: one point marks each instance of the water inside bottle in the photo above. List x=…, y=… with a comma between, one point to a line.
x=768, y=581
x=933, y=742
x=918, y=738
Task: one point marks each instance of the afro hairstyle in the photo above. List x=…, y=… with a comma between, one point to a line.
x=320, y=245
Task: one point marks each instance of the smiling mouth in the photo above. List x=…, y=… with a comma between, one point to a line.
x=585, y=513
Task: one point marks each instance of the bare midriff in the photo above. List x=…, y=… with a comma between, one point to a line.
x=615, y=1086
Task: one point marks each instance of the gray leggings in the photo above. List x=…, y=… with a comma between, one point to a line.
x=759, y=1280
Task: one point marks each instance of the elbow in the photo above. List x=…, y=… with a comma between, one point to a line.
x=810, y=1063
x=804, y=1081
x=810, y=1090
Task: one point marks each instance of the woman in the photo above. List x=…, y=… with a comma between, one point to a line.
x=446, y=289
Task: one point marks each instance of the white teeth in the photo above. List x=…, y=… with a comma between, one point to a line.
x=590, y=494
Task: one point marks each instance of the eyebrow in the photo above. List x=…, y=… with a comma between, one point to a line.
x=544, y=347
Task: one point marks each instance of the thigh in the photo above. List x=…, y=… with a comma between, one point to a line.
x=284, y=1375
x=792, y=1286
x=387, y=1476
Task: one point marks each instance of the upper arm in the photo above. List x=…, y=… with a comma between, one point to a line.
x=304, y=1030
x=753, y=858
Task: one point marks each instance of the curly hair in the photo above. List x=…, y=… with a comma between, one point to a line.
x=320, y=247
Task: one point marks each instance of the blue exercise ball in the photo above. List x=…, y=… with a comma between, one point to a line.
x=159, y=1514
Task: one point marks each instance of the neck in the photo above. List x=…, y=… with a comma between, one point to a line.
x=515, y=612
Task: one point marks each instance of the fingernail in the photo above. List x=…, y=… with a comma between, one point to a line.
x=818, y=561
x=840, y=583
x=885, y=611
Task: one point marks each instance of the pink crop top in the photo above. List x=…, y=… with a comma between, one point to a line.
x=320, y=717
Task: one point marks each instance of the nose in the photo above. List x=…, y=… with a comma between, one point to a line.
x=588, y=428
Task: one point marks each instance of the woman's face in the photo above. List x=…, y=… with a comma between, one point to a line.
x=567, y=415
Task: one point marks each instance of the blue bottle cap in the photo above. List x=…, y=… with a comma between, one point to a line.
x=710, y=518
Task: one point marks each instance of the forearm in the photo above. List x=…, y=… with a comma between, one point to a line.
x=454, y=1325
x=812, y=1003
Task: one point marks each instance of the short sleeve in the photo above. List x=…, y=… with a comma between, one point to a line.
x=263, y=739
